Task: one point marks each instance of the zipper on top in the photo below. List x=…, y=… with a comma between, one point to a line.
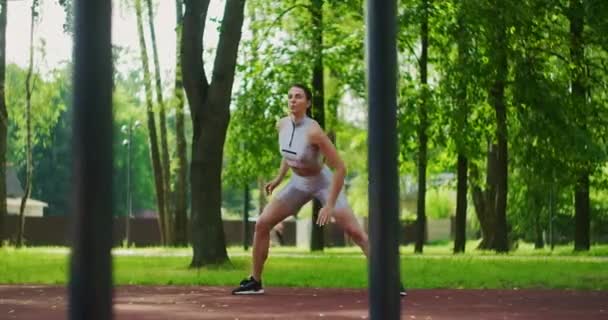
x=292, y=132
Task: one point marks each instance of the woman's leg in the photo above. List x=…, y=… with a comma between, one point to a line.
x=275, y=212
x=346, y=219
x=343, y=214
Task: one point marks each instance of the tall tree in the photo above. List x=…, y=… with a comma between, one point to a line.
x=151, y=122
x=498, y=58
x=47, y=106
x=3, y=117
x=162, y=119
x=423, y=127
x=51, y=154
x=453, y=33
x=181, y=207
x=29, y=89
x=462, y=111
x=209, y=106
x=533, y=55
x=484, y=199
x=578, y=98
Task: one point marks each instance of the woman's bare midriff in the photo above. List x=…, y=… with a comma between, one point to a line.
x=306, y=172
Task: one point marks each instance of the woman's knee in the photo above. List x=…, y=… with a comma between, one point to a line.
x=264, y=223
x=262, y=226
x=357, y=235
x=271, y=215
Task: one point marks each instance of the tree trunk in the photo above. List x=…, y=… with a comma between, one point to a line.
x=578, y=97
x=208, y=237
x=461, y=206
x=29, y=88
x=154, y=152
x=461, y=142
x=209, y=106
x=539, y=243
x=164, y=146
x=317, y=240
x=3, y=119
x=581, y=214
x=497, y=100
x=484, y=200
x=332, y=112
x=181, y=216
x=422, y=132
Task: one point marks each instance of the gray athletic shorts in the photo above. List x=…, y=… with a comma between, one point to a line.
x=299, y=190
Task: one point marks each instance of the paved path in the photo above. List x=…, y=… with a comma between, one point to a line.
x=189, y=302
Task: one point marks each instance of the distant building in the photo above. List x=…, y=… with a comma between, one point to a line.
x=33, y=208
x=13, y=185
x=14, y=193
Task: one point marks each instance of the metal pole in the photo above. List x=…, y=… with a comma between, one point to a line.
x=129, y=194
x=90, y=286
x=246, y=218
x=551, y=218
x=382, y=147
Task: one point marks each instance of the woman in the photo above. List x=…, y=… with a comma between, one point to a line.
x=303, y=144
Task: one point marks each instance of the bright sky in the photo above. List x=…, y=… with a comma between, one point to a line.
x=124, y=33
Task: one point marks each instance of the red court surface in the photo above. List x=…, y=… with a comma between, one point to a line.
x=175, y=302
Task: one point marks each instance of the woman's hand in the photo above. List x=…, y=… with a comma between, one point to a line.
x=325, y=215
x=269, y=187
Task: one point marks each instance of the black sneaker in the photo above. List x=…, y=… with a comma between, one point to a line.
x=402, y=291
x=249, y=286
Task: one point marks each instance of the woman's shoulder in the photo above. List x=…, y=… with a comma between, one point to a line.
x=314, y=129
x=313, y=124
x=281, y=122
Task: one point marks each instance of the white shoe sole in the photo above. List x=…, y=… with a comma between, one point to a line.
x=249, y=292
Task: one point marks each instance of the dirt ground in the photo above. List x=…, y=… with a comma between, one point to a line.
x=180, y=302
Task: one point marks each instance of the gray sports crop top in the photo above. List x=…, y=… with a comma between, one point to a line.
x=295, y=147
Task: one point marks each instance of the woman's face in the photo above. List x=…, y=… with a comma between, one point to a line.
x=298, y=103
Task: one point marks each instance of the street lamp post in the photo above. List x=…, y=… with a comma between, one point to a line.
x=128, y=130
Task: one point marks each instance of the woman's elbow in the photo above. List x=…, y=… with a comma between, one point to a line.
x=341, y=168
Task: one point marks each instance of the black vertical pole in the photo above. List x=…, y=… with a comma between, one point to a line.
x=129, y=193
x=382, y=147
x=246, y=218
x=551, y=217
x=90, y=288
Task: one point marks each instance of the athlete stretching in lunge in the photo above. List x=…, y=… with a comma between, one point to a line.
x=302, y=144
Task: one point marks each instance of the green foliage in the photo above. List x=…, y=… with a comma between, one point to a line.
x=352, y=142
x=128, y=109
x=547, y=142
x=52, y=123
x=440, y=203
x=68, y=25
x=53, y=160
x=252, y=135
x=51, y=149
x=275, y=57
x=47, y=106
x=551, y=136
x=267, y=69
x=599, y=215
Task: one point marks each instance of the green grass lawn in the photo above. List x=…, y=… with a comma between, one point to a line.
x=335, y=267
